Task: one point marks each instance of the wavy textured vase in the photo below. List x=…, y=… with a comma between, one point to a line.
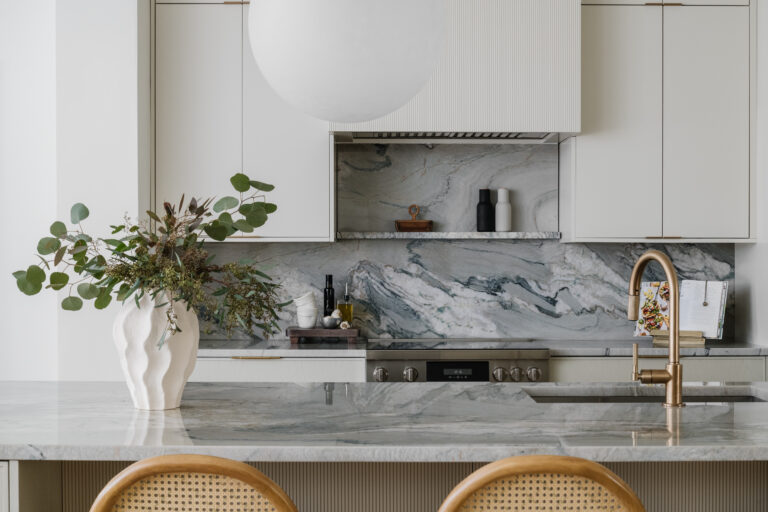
x=155, y=375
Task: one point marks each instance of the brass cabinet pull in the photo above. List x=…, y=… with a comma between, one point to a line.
x=663, y=238
x=256, y=357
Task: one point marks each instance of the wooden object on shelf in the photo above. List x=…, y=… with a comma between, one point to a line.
x=296, y=334
x=688, y=339
x=414, y=225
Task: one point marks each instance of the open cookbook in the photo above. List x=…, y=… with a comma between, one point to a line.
x=702, y=307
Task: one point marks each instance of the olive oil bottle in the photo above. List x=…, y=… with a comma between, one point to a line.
x=346, y=307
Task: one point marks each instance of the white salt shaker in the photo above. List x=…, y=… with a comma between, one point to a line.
x=503, y=210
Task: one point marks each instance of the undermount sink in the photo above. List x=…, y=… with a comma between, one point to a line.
x=641, y=395
x=616, y=399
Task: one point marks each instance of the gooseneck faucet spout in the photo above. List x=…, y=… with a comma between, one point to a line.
x=672, y=375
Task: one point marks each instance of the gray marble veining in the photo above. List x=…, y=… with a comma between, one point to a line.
x=482, y=289
x=389, y=422
x=377, y=183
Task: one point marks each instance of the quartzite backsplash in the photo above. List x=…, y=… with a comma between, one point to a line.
x=540, y=289
x=473, y=288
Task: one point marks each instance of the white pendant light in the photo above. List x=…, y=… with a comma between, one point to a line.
x=347, y=60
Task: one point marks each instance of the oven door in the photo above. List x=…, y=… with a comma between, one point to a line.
x=457, y=371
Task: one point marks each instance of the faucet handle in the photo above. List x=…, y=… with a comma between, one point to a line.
x=635, y=362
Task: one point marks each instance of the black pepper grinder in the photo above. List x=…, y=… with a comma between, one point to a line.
x=329, y=301
x=486, y=216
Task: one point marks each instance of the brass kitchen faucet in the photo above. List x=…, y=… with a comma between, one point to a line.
x=672, y=375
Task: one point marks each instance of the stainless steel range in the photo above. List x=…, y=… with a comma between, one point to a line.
x=455, y=360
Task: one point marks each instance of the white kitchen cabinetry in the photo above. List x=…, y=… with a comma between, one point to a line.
x=695, y=369
x=706, y=122
x=621, y=137
x=216, y=116
x=279, y=369
x=664, y=151
x=509, y=66
x=5, y=495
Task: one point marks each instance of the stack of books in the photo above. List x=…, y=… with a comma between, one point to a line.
x=687, y=338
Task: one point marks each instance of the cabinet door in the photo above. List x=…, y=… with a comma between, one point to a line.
x=617, y=183
x=706, y=122
x=198, y=81
x=306, y=369
x=5, y=495
x=289, y=149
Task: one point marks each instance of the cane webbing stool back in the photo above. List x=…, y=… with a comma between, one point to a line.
x=542, y=483
x=191, y=483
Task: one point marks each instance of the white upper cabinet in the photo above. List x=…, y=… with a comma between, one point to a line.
x=198, y=91
x=706, y=122
x=509, y=66
x=215, y=116
x=290, y=150
x=620, y=144
x=664, y=152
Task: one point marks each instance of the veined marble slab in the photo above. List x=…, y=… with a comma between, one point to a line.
x=376, y=184
x=481, y=288
x=279, y=348
x=372, y=422
x=572, y=348
x=448, y=235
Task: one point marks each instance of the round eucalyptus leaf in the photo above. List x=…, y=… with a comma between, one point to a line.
x=225, y=203
x=58, y=229
x=256, y=218
x=88, y=291
x=270, y=207
x=58, y=280
x=78, y=213
x=27, y=286
x=243, y=226
x=72, y=304
x=216, y=231
x=225, y=218
x=104, y=298
x=241, y=182
x=48, y=245
x=264, y=187
x=35, y=274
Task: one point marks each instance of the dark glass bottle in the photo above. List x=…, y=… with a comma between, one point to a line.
x=329, y=301
x=486, y=215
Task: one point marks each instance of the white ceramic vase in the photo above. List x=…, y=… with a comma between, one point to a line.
x=156, y=374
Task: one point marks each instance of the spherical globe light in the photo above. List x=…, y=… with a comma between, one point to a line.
x=347, y=60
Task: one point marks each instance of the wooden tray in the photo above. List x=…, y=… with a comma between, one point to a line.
x=296, y=334
x=413, y=225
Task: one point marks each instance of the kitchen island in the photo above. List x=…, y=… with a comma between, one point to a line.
x=368, y=440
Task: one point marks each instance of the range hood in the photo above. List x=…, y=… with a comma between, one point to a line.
x=447, y=137
x=511, y=72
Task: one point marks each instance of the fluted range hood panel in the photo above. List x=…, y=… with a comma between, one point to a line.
x=511, y=67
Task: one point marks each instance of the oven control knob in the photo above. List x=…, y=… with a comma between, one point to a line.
x=410, y=374
x=500, y=374
x=516, y=373
x=380, y=374
x=534, y=374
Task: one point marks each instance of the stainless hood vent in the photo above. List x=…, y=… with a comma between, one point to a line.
x=447, y=137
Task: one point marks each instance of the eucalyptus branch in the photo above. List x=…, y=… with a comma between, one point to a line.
x=164, y=254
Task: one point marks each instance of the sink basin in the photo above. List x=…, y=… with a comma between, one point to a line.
x=618, y=399
x=638, y=394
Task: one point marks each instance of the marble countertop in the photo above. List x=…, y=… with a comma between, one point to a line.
x=399, y=422
x=557, y=348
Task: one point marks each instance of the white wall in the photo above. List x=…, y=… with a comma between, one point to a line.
x=28, y=346
x=751, y=260
x=98, y=151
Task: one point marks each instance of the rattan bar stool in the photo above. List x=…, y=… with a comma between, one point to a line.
x=542, y=483
x=191, y=483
